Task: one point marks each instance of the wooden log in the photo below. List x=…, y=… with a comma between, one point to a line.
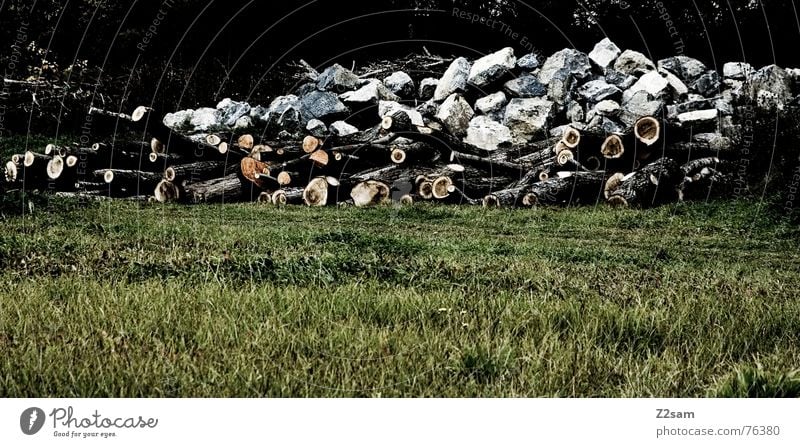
x=198, y=171
x=222, y=190
x=613, y=147
x=647, y=130
x=129, y=180
x=653, y=184
x=506, y=198
x=166, y=192
x=370, y=193
x=321, y=191
x=568, y=188
x=288, y=196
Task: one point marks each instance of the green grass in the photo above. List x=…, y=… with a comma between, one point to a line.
x=119, y=299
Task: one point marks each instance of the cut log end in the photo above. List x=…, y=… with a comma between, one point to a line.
x=370, y=193
x=30, y=158
x=223, y=148
x=11, y=172
x=166, y=192
x=153, y=157
x=170, y=174
x=571, y=138
x=320, y=158
x=108, y=177
x=284, y=178
x=157, y=146
x=316, y=193
x=399, y=156
x=565, y=157
x=310, y=144
x=647, y=130
x=530, y=200
x=279, y=198
x=544, y=176
x=139, y=113
x=440, y=187
x=246, y=142
x=55, y=167
x=72, y=161
x=593, y=163
x=265, y=198
x=426, y=190
x=613, y=183
x=613, y=147
x=491, y=201
x=406, y=200
x=213, y=140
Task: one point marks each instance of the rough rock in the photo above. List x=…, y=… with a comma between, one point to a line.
x=528, y=62
x=491, y=103
x=770, y=87
x=604, y=53
x=338, y=79
x=633, y=63
x=525, y=86
x=561, y=86
x=685, y=68
x=386, y=108
x=487, y=134
x=205, y=119
x=652, y=82
x=608, y=108
x=324, y=106
x=698, y=117
x=341, y=128
x=400, y=83
x=598, y=90
x=737, y=70
x=179, y=120
x=708, y=84
x=229, y=111
x=638, y=105
x=528, y=118
x=574, y=62
x=317, y=128
x=244, y=123
x=620, y=80
x=678, y=87
x=427, y=87
x=370, y=93
x=492, y=67
x=575, y=112
x=454, y=80
x=455, y=113
x=284, y=112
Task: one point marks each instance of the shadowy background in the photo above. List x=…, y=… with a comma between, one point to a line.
x=182, y=53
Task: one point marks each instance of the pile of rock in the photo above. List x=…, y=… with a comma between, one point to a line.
x=573, y=127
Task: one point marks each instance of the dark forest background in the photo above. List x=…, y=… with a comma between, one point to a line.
x=202, y=51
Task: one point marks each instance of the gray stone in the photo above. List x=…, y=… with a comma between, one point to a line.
x=244, y=123
x=598, y=90
x=525, y=86
x=305, y=89
x=561, y=86
x=685, y=68
x=492, y=67
x=678, y=87
x=205, y=119
x=528, y=62
x=708, y=84
x=181, y=120
x=455, y=113
x=491, y=103
x=342, y=129
x=487, y=134
x=770, y=87
x=652, y=82
x=338, y=79
x=428, y=108
x=604, y=53
x=699, y=117
x=427, y=88
x=573, y=61
x=454, y=80
x=604, y=125
x=369, y=94
x=620, y=80
x=317, y=128
x=689, y=106
x=575, y=112
x=633, y=63
x=229, y=111
x=400, y=83
x=324, y=106
x=714, y=140
x=259, y=113
x=639, y=105
x=737, y=70
x=528, y=118
x=386, y=108
x=608, y=108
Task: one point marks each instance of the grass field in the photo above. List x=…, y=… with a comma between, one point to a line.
x=143, y=300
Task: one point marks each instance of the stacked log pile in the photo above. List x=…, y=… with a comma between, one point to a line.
x=501, y=131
